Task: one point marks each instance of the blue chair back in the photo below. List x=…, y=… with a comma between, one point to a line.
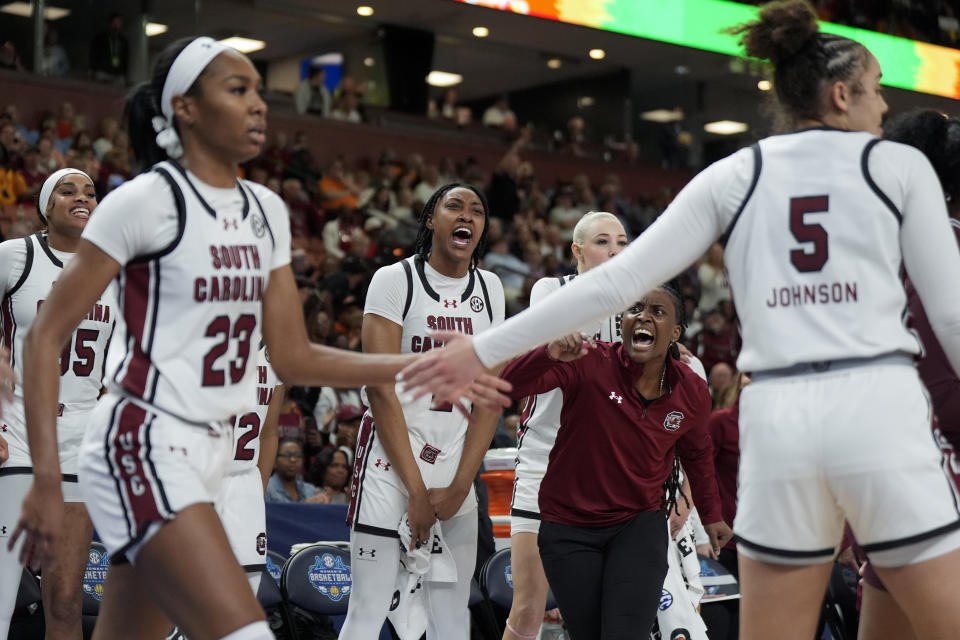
x=318, y=579
x=275, y=562
x=496, y=580
x=94, y=578
x=476, y=595
x=268, y=594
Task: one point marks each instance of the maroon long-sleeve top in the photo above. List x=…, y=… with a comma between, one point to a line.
x=615, y=449
x=725, y=433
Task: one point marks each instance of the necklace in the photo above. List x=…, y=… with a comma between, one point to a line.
x=663, y=376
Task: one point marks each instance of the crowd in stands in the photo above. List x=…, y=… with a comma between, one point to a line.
x=350, y=216
x=934, y=21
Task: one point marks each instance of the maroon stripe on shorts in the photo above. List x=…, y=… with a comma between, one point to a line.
x=136, y=298
x=130, y=450
x=364, y=440
x=6, y=317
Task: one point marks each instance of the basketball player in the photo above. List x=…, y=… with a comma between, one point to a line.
x=938, y=137
x=597, y=237
x=240, y=503
x=836, y=423
x=28, y=268
x=202, y=262
x=417, y=461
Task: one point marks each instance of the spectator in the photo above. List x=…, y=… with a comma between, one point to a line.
x=115, y=170
x=717, y=342
x=12, y=185
x=304, y=219
x=108, y=130
x=312, y=94
x=346, y=109
x=503, y=193
x=713, y=279
x=64, y=125
x=429, y=183
x=32, y=175
x=564, y=214
x=29, y=136
x=277, y=156
x=721, y=375
x=109, y=52
x=348, y=417
x=55, y=61
x=449, y=110
x=575, y=139
x=330, y=473
x=9, y=144
x=9, y=58
x=497, y=113
x=50, y=158
x=302, y=163
x=511, y=270
x=337, y=189
x=287, y=484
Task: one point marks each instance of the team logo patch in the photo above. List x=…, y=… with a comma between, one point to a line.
x=508, y=575
x=259, y=225
x=672, y=421
x=666, y=599
x=95, y=574
x=274, y=570
x=680, y=634
x=330, y=577
x=262, y=543
x=429, y=454
x=476, y=304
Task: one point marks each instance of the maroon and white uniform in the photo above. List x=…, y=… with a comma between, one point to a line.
x=196, y=261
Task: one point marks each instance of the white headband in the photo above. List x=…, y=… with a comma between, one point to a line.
x=184, y=71
x=49, y=185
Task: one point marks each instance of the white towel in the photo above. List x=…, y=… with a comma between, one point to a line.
x=431, y=562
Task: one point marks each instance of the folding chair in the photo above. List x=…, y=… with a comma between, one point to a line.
x=94, y=578
x=316, y=579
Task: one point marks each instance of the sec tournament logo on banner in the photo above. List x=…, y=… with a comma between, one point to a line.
x=96, y=574
x=330, y=576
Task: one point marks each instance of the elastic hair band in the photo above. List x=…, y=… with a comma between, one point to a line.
x=184, y=71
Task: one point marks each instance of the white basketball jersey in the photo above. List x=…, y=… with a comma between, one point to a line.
x=247, y=427
x=192, y=311
x=81, y=361
x=437, y=303
x=540, y=418
x=813, y=255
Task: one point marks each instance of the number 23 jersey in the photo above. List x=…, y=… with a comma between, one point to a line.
x=195, y=263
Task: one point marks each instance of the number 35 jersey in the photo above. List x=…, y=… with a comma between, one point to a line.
x=28, y=269
x=195, y=260
x=813, y=255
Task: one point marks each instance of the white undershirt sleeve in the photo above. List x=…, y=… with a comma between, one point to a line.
x=930, y=252
x=679, y=236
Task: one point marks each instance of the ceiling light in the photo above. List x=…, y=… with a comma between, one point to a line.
x=662, y=115
x=365, y=11
x=725, y=127
x=369, y=62
x=554, y=63
x=244, y=45
x=155, y=29
x=585, y=101
x=443, y=79
x=25, y=10
x=481, y=32
x=598, y=54
x=681, y=69
x=764, y=85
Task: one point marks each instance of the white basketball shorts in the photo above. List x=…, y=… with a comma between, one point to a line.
x=139, y=467
x=242, y=511
x=851, y=443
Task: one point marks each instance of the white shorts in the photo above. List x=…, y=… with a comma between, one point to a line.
x=71, y=425
x=243, y=514
x=378, y=499
x=852, y=444
x=525, y=506
x=138, y=468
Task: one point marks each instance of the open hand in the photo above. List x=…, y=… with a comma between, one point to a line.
x=41, y=518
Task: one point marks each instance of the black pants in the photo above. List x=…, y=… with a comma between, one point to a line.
x=607, y=580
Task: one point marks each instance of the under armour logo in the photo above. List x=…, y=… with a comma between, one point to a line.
x=182, y=450
x=449, y=303
x=368, y=552
x=380, y=463
x=3, y=530
x=227, y=223
x=614, y=396
x=3, y=428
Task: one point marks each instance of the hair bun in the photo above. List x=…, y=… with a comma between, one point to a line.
x=782, y=30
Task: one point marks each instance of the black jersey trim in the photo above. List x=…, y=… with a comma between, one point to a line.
x=263, y=214
x=407, y=271
x=757, y=166
x=418, y=262
x=486, y=295
x=15, y=471
x=864, y=166
x=27, y=266
x=181, y=218
x=920, y=537
x=565, y=279
x=42, y=241
x=376, y=531
x=254, y=568
x=786, y=553
x=522, y=513
x=206, y=205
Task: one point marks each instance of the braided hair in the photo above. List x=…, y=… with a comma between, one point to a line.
x=671, y=488
x=424, y=243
